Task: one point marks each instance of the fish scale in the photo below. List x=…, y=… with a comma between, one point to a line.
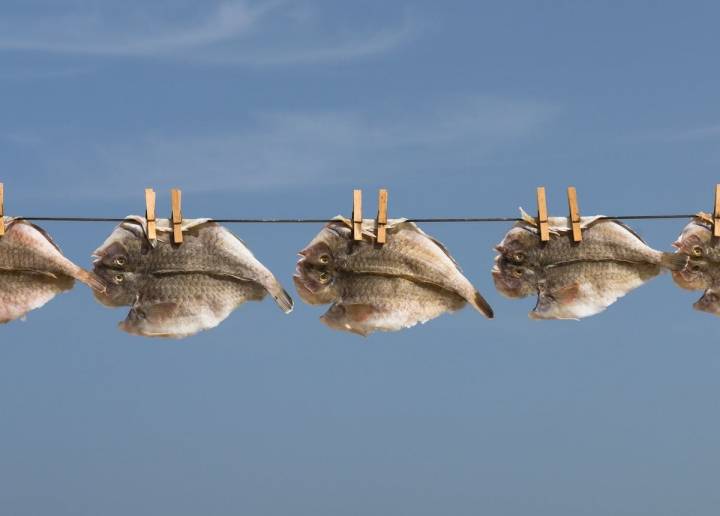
x=574, y=280
x=180, y=305
x=207, y=248
x=409, y=253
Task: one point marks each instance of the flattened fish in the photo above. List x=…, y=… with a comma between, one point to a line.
x=409, y=253
x=207, y=248
x=180, y=305
x=603, y=239
x=576, y=280
x=33, y=270
x=364, y=303
x=389, y=304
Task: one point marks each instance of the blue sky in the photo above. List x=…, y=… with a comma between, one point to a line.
x=279, y=109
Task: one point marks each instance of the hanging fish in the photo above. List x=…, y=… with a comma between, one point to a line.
x=33, y=270
x=703, y=251
x=571, y=280
x=603, y=239
x=702, y=271
x=178, y=305
x=207, y=248
x=364, y=303
x=409, y=253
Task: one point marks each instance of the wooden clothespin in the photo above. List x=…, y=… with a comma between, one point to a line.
x=381, y=221
x=542, y=219
x=716, y=212
x=176, y=197
x=574, y=214
x=150, y=214
x=357, y=215
x=2, y=209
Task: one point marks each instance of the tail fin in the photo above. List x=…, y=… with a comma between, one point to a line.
x=91, y=280
x=482, y=306
x=281, y=297
x=674, y=261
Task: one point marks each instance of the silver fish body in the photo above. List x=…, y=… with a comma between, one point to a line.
x=581, y=289
x=33, y=270
x=409, y=253
x=370, y=303
x=27, y=247
x=207, y=248
x=576, y=280
x=21, y=292
x=603, y=239
x=180, y=305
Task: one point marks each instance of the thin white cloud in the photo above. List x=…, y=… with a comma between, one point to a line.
x=279, y=150
x=232, y=32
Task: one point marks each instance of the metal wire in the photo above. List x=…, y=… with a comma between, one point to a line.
x=323, y=221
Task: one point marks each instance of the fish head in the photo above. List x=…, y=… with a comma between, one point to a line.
x=696, y=275
x=709, y=302
x=513, y=280
x=318, y=255
x=123, y=249
x=517, y=245
x=694, y=240
x=324, y=249
x=315, y=285
x=121, y=289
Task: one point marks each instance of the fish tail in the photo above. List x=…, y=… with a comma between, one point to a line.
x=674, y=261
x=482, y=306
x=282, y=298
x=91, y=280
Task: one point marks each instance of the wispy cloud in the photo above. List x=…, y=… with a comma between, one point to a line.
x=278, y=150
x=231, y=32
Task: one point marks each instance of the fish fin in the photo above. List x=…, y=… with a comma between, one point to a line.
x=36, y=272
x=674, y=261
x=482, y=305
x=282, y=298
x=567, y=295
x=351, y=320
x=92, y=280
x=359, y=312
x=37, y=228
x=161, y=309
x=627, y=228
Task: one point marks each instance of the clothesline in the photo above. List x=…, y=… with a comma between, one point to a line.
x=323, y=221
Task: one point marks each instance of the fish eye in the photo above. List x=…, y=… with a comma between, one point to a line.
x=120, y=260
x=324, y=277
x=324, y=259
x=696, y=250
x=119, y=278
x=518, y=257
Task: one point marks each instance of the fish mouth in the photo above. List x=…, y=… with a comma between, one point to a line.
x=508, y=287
